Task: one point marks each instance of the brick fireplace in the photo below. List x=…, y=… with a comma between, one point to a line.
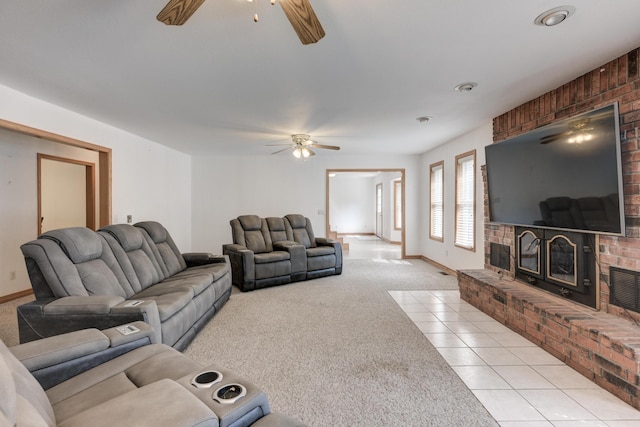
x=601, y=341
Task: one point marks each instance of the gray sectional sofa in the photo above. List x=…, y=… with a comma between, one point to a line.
x=122, y=377
x=119, y=274
x=274, y=251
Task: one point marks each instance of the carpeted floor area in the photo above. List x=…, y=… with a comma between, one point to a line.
x=338, y=351
x=335, y=351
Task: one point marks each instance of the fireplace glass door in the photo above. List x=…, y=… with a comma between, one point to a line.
x=558, y=261
x=562, y=260
x=529, y=252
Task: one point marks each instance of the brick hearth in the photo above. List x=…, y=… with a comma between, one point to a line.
x=601, y=346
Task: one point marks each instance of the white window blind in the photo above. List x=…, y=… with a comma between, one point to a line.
x=437, y=202
x=465, y=200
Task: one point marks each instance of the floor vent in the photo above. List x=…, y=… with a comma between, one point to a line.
x=444, y=273
x=625, y=288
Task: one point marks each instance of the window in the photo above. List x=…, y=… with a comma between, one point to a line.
x=397, y=205
x=465, y=200
x=436, y=215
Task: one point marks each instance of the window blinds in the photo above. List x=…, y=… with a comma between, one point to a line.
x=465, y=201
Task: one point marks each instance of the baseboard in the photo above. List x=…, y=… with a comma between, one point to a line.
x=355, y=234
x=16, y=295
x=440, y=266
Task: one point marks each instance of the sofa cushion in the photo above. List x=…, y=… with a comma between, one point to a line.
x=251, y=231
x=25, y=402
x=169, y=301
x=299, y=230
x=277, y=229
x=169, y=257
x=138, y=258
x=91, y=261
x=137, y=368
x=81, y=244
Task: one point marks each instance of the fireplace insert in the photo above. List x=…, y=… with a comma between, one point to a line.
x=561, y=262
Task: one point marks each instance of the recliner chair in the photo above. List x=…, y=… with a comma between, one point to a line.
x=324, y=256
x=119, y=377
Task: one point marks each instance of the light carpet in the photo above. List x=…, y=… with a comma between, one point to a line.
x=339, y=351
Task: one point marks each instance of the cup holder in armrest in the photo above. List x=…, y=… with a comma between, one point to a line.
x=206, y=379
x=229, y=394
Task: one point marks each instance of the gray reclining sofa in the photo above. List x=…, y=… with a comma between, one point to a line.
x=119, y=274
x=274, y=251
x=121, y=377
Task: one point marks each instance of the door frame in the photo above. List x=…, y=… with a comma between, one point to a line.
x=104, y=162
x=90, y=188
x=402, y=173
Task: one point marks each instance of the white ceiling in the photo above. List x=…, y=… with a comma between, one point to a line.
x=224, y=84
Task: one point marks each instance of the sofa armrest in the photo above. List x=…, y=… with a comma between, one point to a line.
x=337, y=246
x=45, y=318
x=194, y=259
x=55, y=359
x=243, y=267
x=153, y=405
x=58, y=349
x=97, y=304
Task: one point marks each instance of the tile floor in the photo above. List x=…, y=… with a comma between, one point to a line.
x=520, y=384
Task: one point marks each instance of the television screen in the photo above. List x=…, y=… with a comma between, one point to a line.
x=566, y=175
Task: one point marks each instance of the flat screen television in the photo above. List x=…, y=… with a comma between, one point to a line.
x=565, y=175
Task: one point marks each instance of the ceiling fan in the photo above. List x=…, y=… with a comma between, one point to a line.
x=302, y=145
x=299, y=12
x=578, y=131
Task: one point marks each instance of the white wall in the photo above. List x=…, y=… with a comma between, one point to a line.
x=227, y=186
x=446, y=253
x=352, y=203
x=150, y=181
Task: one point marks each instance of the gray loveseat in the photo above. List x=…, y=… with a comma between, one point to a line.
x=120, y=377
x=119, y=274
x=274, y=251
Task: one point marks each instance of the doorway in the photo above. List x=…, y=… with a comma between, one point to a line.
x=66, y=193
x=364, y=216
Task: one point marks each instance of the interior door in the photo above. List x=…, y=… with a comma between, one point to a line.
x=379, y=210
x=66, y=193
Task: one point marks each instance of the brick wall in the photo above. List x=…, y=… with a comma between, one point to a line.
x=619, y=80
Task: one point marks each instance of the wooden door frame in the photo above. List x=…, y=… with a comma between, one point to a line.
x=379, y=215
x=90, y=188
x=402, y=173
x=104, y=162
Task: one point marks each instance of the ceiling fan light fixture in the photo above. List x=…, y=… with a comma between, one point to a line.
x=554, y=16
x=297, y=152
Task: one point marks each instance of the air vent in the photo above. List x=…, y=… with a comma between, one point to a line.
x=500, y=256
x=625, y=288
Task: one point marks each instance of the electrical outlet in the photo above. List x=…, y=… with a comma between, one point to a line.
x=129, y=219
x=12, y=275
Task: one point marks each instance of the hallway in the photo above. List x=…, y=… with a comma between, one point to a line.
x=365, y=247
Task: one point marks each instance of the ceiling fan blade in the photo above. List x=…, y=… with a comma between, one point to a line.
x=280, y=151
x=303, y=20
x=176, y=12
x=311, y=152
x=279, y=144
x=328, y=147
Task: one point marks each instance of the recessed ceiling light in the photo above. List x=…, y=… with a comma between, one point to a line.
x=465, y=87
x=423, y=119
x=554, y=16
